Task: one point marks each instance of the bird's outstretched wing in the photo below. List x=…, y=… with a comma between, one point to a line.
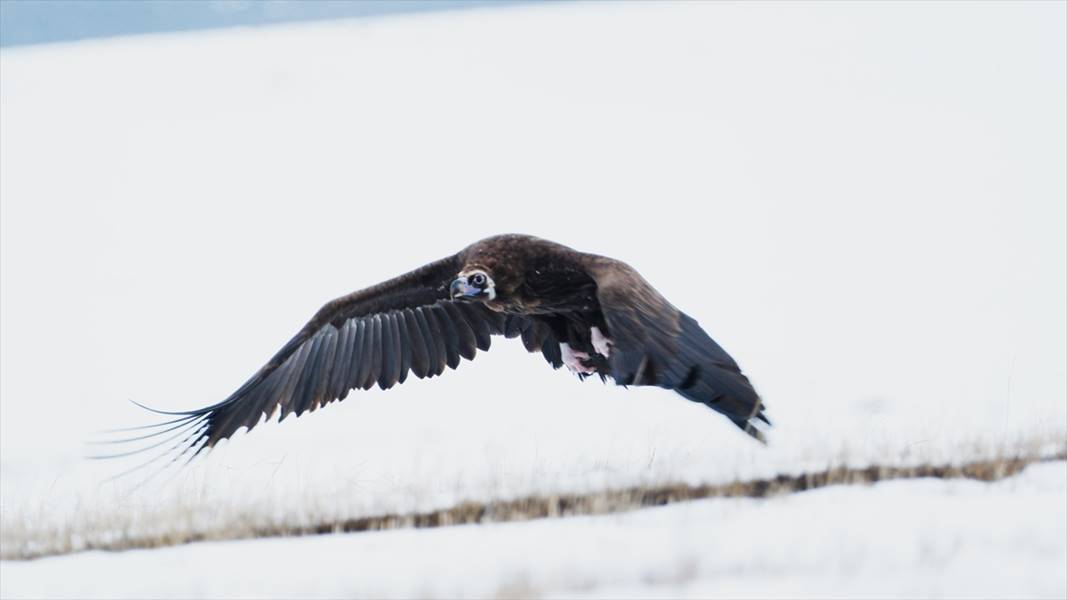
x=374, y=336
x=657, y=344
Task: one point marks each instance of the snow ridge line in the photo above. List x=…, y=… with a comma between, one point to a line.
x=567, y=505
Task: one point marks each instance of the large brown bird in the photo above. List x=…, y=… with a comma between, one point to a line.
x=594, y=314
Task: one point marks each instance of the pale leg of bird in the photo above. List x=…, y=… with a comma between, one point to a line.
x=601, y=343
x=573, y=360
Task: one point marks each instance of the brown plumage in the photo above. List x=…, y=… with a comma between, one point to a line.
x=594, y=313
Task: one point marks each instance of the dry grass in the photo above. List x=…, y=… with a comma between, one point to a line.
x=24, y=545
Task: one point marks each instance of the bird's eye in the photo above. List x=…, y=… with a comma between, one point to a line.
x=478, y=279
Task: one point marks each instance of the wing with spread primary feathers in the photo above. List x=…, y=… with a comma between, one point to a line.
x=375, y=336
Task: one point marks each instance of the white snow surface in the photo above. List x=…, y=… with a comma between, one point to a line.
x=864, y=203
x=921, y=538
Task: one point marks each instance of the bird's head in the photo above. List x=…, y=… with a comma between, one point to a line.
x=473, y=284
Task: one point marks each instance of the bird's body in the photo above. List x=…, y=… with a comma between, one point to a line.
x=550, y=285
x=594, y=314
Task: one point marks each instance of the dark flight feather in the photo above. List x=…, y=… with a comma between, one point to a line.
x=466, y=345
x=448, y=332
x=438, y=339
x=420, y=357
x=366, y=355
x=435, y=359
x=403, y=340
x=375, y=351
x=533, y=337
x=513, y=326
x=479, y=327
x=353, y=345
x=358, y=368
x=390, y=360
x=336, y=386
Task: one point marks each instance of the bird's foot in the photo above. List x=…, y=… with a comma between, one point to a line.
x=601, y=344
x=573, y=359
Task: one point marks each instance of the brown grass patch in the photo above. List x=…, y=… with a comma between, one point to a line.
x=548, y=506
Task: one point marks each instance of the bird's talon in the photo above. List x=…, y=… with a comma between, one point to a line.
x=601, y=343
x=574, y=360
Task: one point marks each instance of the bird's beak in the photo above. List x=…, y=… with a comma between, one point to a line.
x=461, y=289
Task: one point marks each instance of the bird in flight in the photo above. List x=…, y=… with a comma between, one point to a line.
x=593, y=314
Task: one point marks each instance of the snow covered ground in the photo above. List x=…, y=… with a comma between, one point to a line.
x=923, y=538
x=864, y=203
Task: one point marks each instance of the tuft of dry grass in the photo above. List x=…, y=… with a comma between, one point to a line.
x=523, y=509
